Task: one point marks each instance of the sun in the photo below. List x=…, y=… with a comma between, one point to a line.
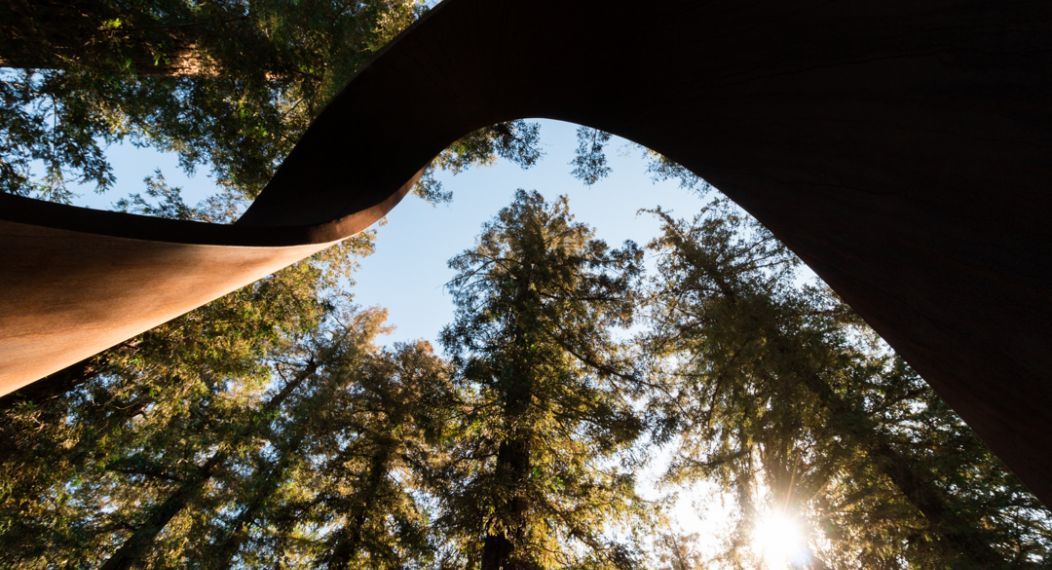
x=778, y=539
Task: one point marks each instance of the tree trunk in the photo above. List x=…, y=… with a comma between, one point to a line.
x=918, y=486
x=513, y=454
x=961, y=536
x=141, y=541
x=236, y=536
x=349, y=541
x=513, y=467
x=139, y=544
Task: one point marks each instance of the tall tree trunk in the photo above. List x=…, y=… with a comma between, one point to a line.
x=229, y=546
x=959, y=535
x=962, y=537
x=513, y=458
x=513, y=467
x=349, y=540
x=513, y=454
x=141, y=542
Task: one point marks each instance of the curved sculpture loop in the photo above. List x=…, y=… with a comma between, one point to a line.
x=902, y=149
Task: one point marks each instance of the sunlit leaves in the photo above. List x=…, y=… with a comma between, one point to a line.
x=534, y=478
x=776, y=391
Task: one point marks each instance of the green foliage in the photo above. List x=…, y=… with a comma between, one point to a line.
x=375, y=443
x=226, y=85
x=663, y=168
x=532, y=479
x=305, y=457
x=777, y=392
x=85, y=450
x=589, y=163
x=268, y=429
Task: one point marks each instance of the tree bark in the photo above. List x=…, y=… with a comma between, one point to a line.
x=349, y=541
x=513, y=454
x=513, y=467
x=139, y=544
x=913, y=481
x=141, y=541
x=918, y=486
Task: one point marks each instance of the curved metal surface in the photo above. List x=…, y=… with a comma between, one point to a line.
x=900, y=148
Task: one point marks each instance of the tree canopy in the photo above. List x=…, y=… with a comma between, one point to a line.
x=546, y=393
x=274, y=428
x=783, y=395
x=229, y=86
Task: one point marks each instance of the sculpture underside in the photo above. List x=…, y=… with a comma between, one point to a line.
x=900, y=148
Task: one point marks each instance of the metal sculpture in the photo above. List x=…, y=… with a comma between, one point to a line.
x=900, y=148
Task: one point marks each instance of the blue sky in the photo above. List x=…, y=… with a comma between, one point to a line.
x=408, y=272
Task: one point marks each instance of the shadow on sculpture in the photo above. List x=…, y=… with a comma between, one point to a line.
x=902, y=150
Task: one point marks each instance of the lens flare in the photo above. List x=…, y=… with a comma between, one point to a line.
x=778, y=539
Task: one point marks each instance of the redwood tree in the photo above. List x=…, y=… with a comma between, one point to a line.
x=533, y=481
